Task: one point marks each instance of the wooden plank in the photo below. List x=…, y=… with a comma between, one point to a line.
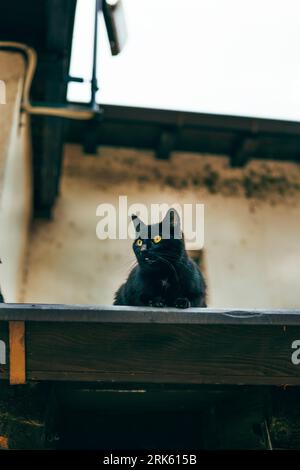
x=116, y=314
x=164, y=117
x=48, y=132
x=17, y=362
x=144, y=345
x=142, y=127
x=243, y=150
x=163, y=353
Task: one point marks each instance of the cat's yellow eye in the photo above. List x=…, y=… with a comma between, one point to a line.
x=139, y=242
x=157, y=239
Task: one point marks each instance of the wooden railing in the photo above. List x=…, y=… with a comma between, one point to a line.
x=144, y=345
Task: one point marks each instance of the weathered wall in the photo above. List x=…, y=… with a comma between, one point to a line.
x=15, y=184
x=252, y=227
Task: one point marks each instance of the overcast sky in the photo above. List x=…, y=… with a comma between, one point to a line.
x=236, y=57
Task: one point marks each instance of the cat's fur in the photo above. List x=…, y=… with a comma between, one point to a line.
x=165, y=275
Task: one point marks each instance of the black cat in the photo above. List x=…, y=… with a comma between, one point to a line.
x=165, y=275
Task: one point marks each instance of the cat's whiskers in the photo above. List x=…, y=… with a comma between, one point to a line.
x=128, y=265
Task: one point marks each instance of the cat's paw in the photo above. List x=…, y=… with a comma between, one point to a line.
x=182, y=302
x=158, y=302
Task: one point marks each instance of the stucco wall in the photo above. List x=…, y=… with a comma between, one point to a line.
x=15, y=180
x=252, y=227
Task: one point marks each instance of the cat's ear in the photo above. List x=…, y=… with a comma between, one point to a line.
x=172, y=223
x=173, y=217
x=138, y=223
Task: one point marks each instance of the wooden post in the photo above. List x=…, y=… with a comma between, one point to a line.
x=17, y=365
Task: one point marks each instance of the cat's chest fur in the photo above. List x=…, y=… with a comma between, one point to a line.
x=163, y=285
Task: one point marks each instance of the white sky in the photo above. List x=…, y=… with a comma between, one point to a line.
x=238, y=57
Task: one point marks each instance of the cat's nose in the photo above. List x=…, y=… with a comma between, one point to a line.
x=144, y=247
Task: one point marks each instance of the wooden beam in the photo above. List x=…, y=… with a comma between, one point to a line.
x=167, y=143
x=163, y=353
x=125, y=126
x=116, y=314
x=50, y=86
x=153, y=346
x=17, y=362
x=243, y=151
